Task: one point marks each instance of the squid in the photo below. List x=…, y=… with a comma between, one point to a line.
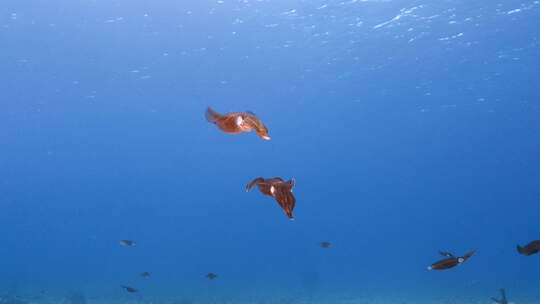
x=279, y=189
x=238, y=122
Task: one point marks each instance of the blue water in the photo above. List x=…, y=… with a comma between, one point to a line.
x=409, y=126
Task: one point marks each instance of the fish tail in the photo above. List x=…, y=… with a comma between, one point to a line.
x=211, y=115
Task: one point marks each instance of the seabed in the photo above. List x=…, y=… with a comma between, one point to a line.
x=338, y=298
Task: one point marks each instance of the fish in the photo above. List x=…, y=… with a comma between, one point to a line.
x=529, y=249
x=326, y=244
x=279, y=189
x=237, y=122
x=146, y=274
x=450, y=261
x=211, y=276
x=127, y=243
x=129, y=289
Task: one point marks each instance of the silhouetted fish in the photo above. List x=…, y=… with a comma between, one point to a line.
x=451, y=261
x=127, y=243
x=238, y=122
x=129, y=289
x=145, y=274
x=279, y=189
x=529, y=249
x=211, y=276
x=326, y=244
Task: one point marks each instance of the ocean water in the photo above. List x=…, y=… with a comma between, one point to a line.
x=410, y=127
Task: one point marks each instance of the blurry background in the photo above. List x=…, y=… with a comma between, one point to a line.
x=410, y=127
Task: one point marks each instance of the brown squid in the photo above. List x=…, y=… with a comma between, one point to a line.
x=279, y=189
x=450, y=261
x=238, y=122
x=529, y=249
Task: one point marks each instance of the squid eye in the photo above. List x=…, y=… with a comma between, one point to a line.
x=461, y=260
x=239, y=120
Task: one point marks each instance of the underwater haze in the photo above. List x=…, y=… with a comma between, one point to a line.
x=410, y=127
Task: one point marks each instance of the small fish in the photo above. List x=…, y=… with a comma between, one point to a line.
x=238, y=122
x=503, y=299
x=145, y=274
x=529, y=249
x=326, y=244
x=127, y=243
x=129, y=289
x=211, y=276
x=279, y=189
x=450, y=261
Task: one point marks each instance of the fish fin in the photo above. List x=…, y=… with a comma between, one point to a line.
x=211, y=115
x=254, y=182
x=249, y=112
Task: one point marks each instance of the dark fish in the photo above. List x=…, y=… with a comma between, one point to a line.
x=503, y=299
x=279, y=189
x=127, y=243
x=451, y=261
x=211, y=275
x=326, y=244
x=529, y=249
x=238, y=122
x=129, y=289
x=145, y=274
